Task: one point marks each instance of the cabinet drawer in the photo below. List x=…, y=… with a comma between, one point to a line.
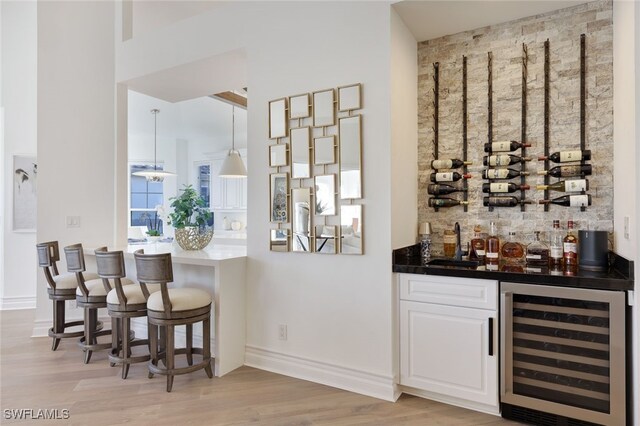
x=465, y=292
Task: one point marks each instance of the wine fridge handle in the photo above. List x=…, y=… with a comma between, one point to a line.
x=491, y=336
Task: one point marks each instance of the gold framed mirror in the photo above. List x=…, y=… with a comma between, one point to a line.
x=280, y=240
x=351, y=229
x=325, y=195
x=301, y=220
x=326, y=239
x=350, y=130
x=324, y=150
x=323, y=108
x=278, y=155
x=299, y=106
x=300, y=153
x=278, y=118
x=349, y=97
x=279, y=190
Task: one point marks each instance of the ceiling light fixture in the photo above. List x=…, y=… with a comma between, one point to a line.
x=233, y=166
x=154, y=175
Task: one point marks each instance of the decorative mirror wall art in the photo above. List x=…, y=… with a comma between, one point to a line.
x=323, y=108
x=299, y=106
x=279, y=189
x=324, y=150
x=349, y=97
x=351, y=229
x=326, y=237
x=326, y=195
x=350, y=157
x=316, y=178
x=300, y=153
x=278, y=118
x=301, y=219
x=278, y=155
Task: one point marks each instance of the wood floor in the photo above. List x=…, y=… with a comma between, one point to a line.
x=32, y=376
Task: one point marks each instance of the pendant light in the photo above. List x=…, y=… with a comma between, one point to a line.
x=233, y=167
x=154, y=175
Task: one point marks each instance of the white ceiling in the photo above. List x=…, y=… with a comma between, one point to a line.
x=432, y=19
x=149, y=15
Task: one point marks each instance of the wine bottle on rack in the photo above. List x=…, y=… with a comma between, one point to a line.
x=504, y=146
x=503, y=201
x=448, y=177
x=449, y=163
x=503, y=160
x=502, y=173
x=445, y=202
x=566, y=156
x=442, y=189
x=567, y=171
x=576, y=185
x=581, y=200
x=503, y=187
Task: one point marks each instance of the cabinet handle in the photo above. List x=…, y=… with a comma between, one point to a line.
x=490, y=336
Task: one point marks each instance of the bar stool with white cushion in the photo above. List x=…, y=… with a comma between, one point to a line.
x=61, y=287
x=171, y=307
x=123, y=303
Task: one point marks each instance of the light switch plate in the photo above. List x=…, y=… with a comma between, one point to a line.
x=73, y=221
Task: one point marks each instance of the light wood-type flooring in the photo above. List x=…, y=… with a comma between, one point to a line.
x=32, y=376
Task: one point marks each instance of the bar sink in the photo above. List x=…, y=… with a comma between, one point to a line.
x=453, y=262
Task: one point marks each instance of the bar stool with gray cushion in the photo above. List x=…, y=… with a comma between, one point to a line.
x=61, y=287
x=90, y=296
x=123, y=302
x=171, y=307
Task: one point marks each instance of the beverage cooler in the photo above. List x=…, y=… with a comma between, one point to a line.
x=562, y=355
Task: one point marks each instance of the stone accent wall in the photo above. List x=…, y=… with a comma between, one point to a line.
x=563, y=29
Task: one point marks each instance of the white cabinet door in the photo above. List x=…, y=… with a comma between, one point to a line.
x=445, y=349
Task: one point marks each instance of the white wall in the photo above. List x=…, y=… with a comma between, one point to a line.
x=76, y=128
x=634, y=33
x=19, y=96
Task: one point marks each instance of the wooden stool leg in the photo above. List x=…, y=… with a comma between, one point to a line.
x=170, y=347
x=90, y=324
x=189, y=344
x=206, y=345
x=115, y=332
x=125, y=347
x=58, y=321
x=152, y=332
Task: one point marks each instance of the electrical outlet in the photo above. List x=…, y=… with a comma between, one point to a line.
x=627, y=230
x=282, y=332
x=73, y=221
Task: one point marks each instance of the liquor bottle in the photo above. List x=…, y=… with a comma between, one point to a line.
x=570, y=247
x=566, y=156
x=537, y=252
x=504, y=146
x=555, y=246
x=493, y=246
x=445, y=202
x=567, y=171
x=512, y=251
x=503, y=187
x=575, y=185
x=503, y=160
x=581, y=200
x=478, y=245
x=449, y=163
x=503, y=201
x=502, y=173
x=448, y=177
x=442, y=189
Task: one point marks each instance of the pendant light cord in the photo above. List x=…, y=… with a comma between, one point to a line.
x=233, y=128
x=155, y=136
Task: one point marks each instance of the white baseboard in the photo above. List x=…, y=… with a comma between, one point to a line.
x=41, y=327
x=20, y=302
x=470, y=405
x=362, y=382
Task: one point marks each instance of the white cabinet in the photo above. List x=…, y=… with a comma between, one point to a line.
x=448, y=339
x=227, y=194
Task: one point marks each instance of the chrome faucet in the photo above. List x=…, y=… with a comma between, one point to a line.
x=458, y=255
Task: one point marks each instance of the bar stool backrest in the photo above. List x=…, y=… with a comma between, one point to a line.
x=75, y=258
x=111, y=266
x=48, y=255
x=155, y=269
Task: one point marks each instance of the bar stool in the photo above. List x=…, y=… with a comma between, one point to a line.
x=123, y=303
x=60, y=289
x=171, y=307
x=90, y=296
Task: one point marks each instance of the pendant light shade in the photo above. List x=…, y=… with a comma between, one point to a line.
x=233, y=166
x=154, y=175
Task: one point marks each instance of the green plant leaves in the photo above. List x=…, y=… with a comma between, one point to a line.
x=188, y=209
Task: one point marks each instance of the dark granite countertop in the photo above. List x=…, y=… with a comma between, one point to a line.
x=618, y=277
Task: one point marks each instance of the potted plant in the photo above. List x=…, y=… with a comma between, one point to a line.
x=189, y=218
